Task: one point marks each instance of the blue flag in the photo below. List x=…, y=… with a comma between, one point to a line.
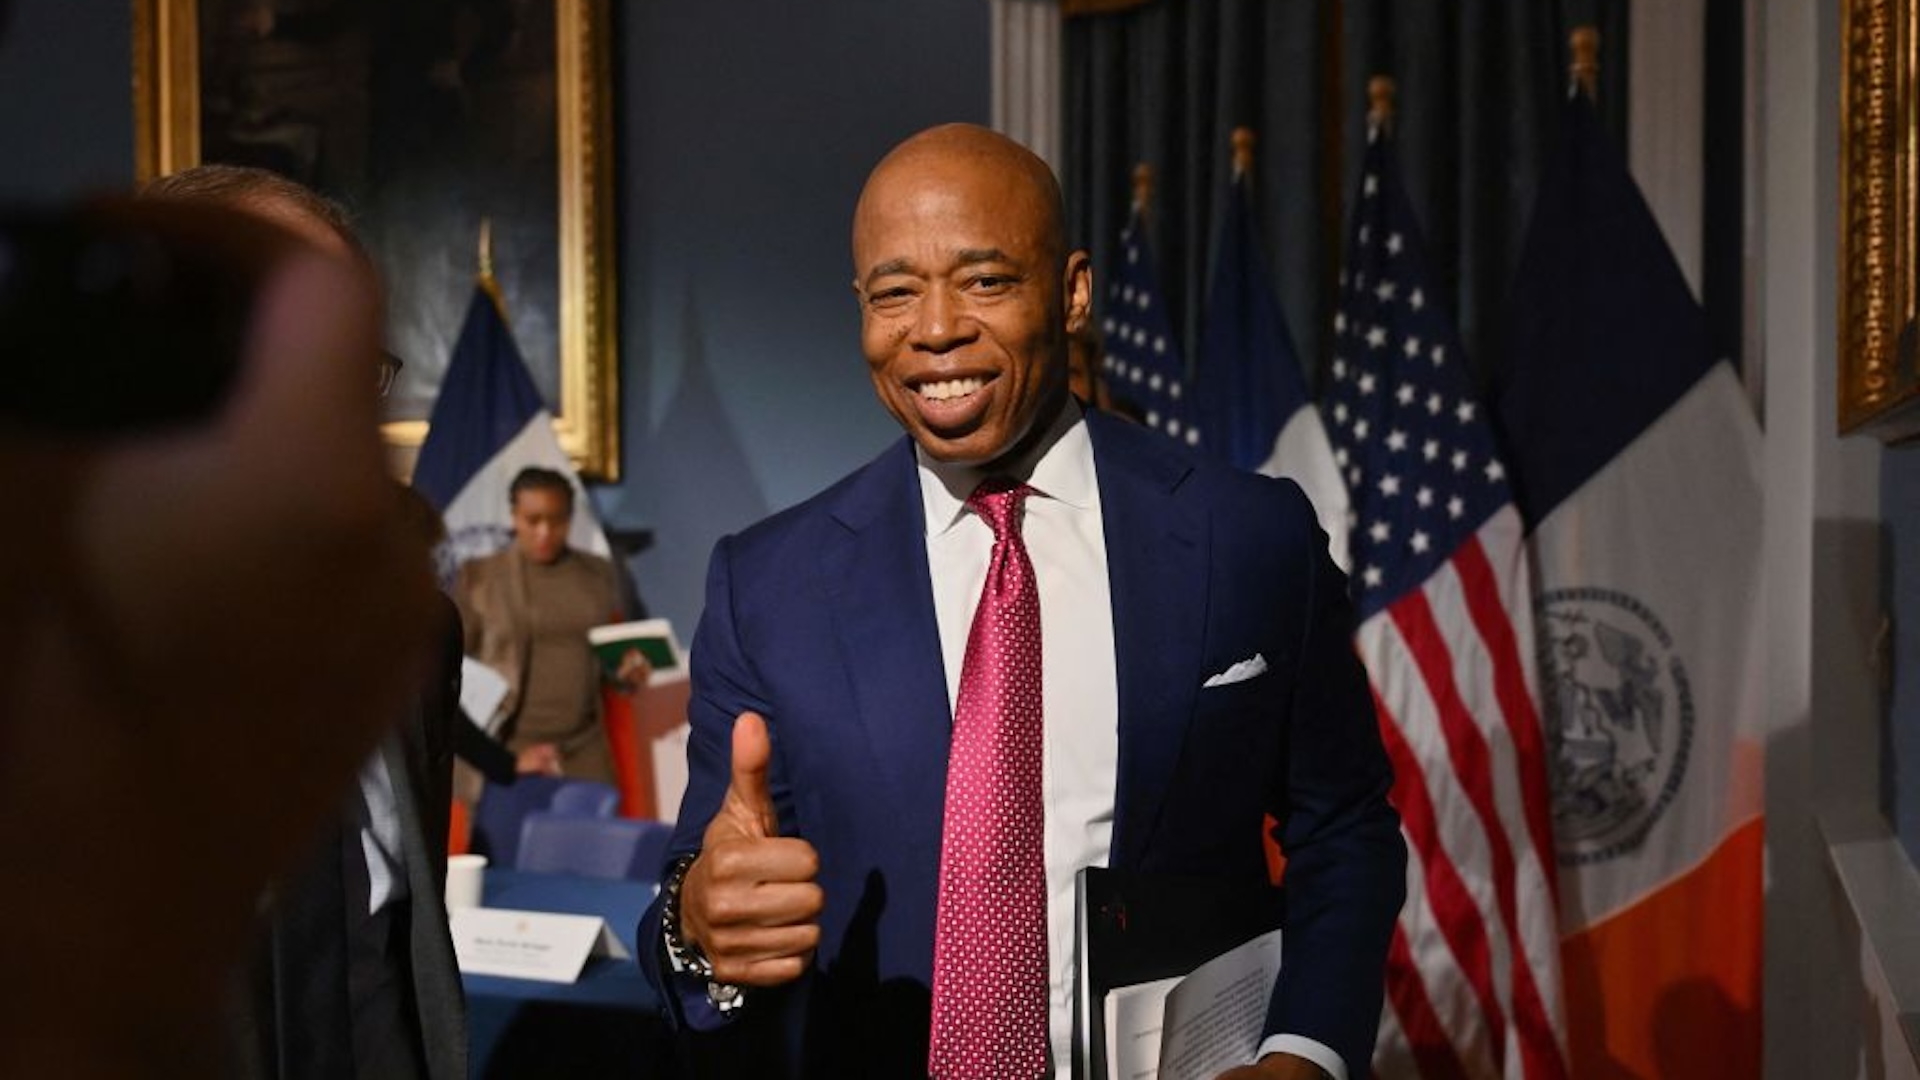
x=1606, y=333
x=487, y=424
x=1249, y=376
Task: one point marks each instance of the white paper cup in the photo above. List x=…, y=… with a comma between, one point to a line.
x=463, y=880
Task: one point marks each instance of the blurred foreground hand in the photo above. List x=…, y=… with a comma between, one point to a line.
x=203, y=632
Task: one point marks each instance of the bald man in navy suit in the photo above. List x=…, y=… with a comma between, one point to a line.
x=1198, y=672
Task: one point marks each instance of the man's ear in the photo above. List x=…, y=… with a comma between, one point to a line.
x=1077, y=291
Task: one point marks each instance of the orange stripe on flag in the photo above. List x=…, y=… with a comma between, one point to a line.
x=1671, y=985
x=1276, y=858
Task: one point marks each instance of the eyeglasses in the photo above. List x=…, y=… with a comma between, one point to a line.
x=390, y=366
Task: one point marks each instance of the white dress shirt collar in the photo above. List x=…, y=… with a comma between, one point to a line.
x=1058, y=467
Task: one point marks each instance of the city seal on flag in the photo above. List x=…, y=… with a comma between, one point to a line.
x=468, y=542
x=1619, y=720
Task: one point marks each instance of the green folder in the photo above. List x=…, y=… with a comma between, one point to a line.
x=652, y=637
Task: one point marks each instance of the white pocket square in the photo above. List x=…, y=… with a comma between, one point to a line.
x=1240, y=672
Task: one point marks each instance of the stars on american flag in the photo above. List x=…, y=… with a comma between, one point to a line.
x=1406, y=423
x=1143, y=363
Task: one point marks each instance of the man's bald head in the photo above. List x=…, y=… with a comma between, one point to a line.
x=967, y=292
x=941, y=154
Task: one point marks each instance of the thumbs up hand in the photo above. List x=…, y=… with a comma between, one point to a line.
x=750, y=902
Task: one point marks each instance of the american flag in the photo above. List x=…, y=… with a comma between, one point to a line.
x=1143, y=362
x=1441, y=588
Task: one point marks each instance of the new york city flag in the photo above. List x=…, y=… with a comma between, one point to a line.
x=1635, y=458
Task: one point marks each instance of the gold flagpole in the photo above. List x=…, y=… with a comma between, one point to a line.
x=1585, y=67
x=1380, y=91
x=486, y=279
x=1142, y=189
x=1243, y=140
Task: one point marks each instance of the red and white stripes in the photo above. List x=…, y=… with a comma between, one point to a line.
x=1473, y=985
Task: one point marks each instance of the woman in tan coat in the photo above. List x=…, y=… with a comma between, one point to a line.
x=527, y=610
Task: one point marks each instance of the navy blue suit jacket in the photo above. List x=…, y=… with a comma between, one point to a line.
x=821, y=618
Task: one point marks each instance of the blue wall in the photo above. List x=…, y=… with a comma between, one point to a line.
x=744, y=132
x=1900, y=750
x=66, y=97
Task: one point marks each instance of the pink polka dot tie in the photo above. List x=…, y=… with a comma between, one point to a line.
x=990, y=936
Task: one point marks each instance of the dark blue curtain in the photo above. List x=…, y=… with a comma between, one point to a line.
x=1479, y=86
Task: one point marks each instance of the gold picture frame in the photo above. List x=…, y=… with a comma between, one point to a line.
x=1879, y=389
x=168, y=46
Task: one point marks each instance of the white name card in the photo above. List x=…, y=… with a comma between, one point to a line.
x=529, y=944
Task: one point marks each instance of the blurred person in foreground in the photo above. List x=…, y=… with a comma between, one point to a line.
x=1025, y=639
x=205, y=625
x=354, y=974
x=526, y=610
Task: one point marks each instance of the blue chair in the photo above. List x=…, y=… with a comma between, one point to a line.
x=502, y=810
x=585, y=798
x=611, y=848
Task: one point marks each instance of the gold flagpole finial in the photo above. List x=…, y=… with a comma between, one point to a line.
x=486, y=279
x=1380, y=90
x=1585, y=68
x=1242, y=151
x=486, y=247
x=1142, y=188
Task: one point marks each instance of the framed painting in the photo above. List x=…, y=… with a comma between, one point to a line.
x=1879, y=391
x=433, y=121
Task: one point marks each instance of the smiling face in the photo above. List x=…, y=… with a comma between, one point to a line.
x=966, y=297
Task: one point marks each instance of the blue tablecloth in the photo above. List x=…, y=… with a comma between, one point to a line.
x=606, y=1024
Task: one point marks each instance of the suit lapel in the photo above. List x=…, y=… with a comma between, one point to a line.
x=881, y=597
x=1157, y=571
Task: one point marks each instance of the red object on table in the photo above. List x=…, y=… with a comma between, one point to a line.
x=632, y=756
x=459, y=829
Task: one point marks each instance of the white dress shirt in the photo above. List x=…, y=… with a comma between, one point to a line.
x=1062, y=528
x=380, y=835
